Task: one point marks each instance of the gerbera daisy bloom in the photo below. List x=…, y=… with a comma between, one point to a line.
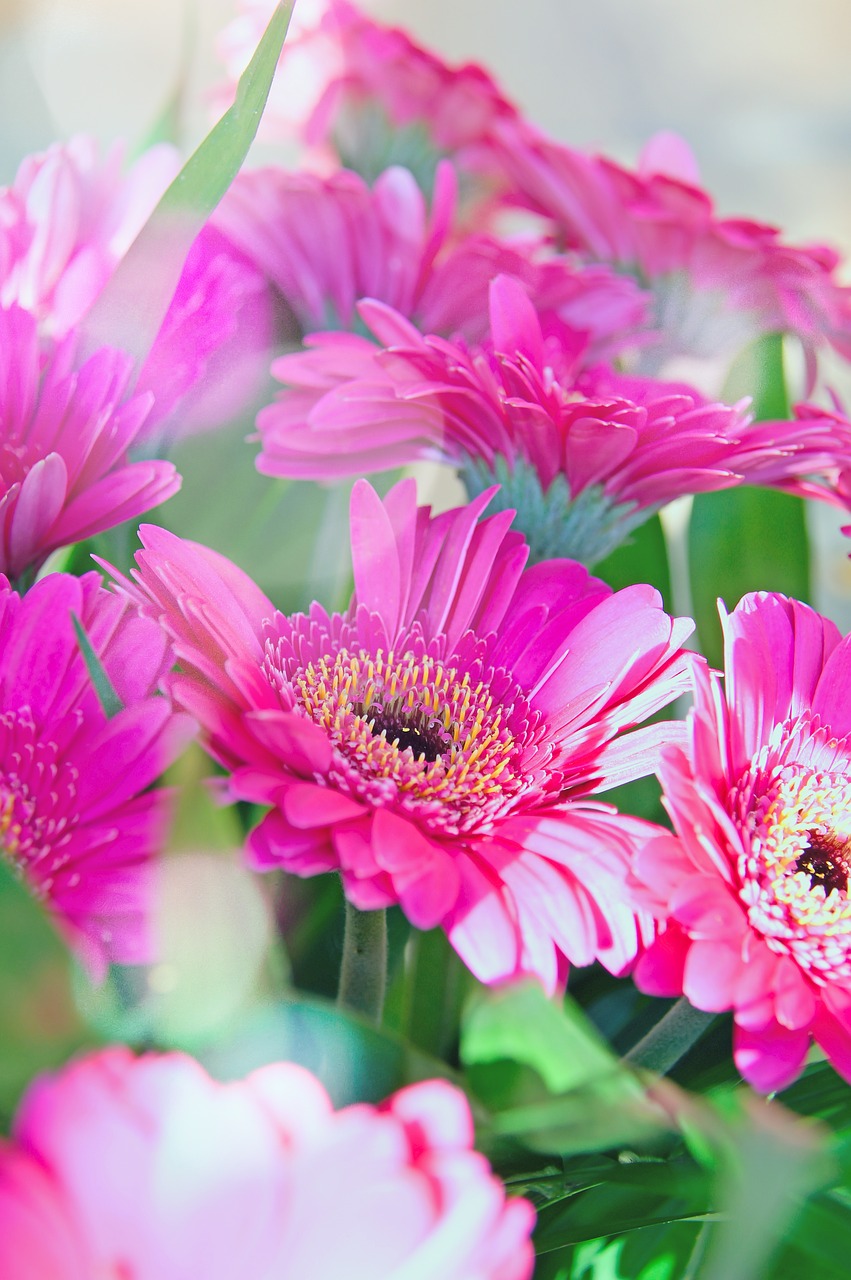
x=77, y=819
x=437, y=742
x=366, y=96
x=754, y=886
x=326, y=243
x=717, y=282
x=148, y=1167
x=66, y=434
x=66, y=222
x=583, y=454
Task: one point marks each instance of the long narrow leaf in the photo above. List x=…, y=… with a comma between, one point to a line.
x=130, y=310
x=104, y=688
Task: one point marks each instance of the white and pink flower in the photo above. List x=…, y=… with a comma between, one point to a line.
x=753, y=889
x=146, y=1167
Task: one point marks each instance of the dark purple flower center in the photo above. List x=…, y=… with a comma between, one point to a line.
x=409, y=728
x=827, y=862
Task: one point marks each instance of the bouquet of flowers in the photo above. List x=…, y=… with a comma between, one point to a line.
x=400, y=889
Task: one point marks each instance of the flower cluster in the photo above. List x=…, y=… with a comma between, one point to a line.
x=544, y=386
x=439, y=282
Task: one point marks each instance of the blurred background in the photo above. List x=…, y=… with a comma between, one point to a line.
x=760, y=89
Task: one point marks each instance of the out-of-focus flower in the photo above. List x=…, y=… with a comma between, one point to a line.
x=66, y=434
x=77, y=820
x=148, y=1167
x=583, y=454
x=717, y=282
x=437, y=742
x=326, y=243
x=368, y=97
x=68, y=219
x=754, y=886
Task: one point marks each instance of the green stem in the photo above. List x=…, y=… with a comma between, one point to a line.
x=363, y=973
x=671, y=1038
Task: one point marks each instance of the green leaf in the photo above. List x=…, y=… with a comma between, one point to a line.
x=520, y=1049
x=130, y=309
x=743, y=540
x=747, y=539
x=520, y=1023
x=772, y=1163
x=104, y=689
x=642, y=558
x=425, y=1001
x=39, y=1024
x=759, y=372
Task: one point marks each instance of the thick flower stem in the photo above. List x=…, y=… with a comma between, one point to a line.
x=671, y=1038
x=363, y=973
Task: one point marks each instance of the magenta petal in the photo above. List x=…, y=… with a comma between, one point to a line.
x=301, y=745
x=482, y=928
x=40, y=499
x=660, y=970
x=375, y=559
x=304, y=852
x=772, y=1058
x=711, y=971
x=424, y=875
x=308, y=806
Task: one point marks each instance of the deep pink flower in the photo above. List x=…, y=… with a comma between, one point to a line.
x=367, y=96
x=66, y=222
x=148, y=1168
x=326, y=243
x=717, y=282
x=583, y=454
x=437, y=742
x=65, y=434
x=754, y=886
x=77, y=819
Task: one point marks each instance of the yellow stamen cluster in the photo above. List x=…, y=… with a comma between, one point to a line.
x=795, y=875
x=418, y=730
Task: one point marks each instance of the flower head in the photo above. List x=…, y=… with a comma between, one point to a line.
x=148, y=1167
x=77, y=819
x=66, y=434
x=717, y=282
x=437, y=741
x=369, y=97
x=326, y=243
x=583, y=453
x=754, y=887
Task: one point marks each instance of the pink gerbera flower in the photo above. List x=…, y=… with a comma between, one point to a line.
x=326, y=243
x=77, y=820
x=66, y=222
x=437, y=742
x=367, y=96
x=717, y=282
x=146, y=1167
x=583, y=454
x=754, y=887
x=66, y=433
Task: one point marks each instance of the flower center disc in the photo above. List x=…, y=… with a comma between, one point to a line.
x=408, y=729
x=795, y=874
